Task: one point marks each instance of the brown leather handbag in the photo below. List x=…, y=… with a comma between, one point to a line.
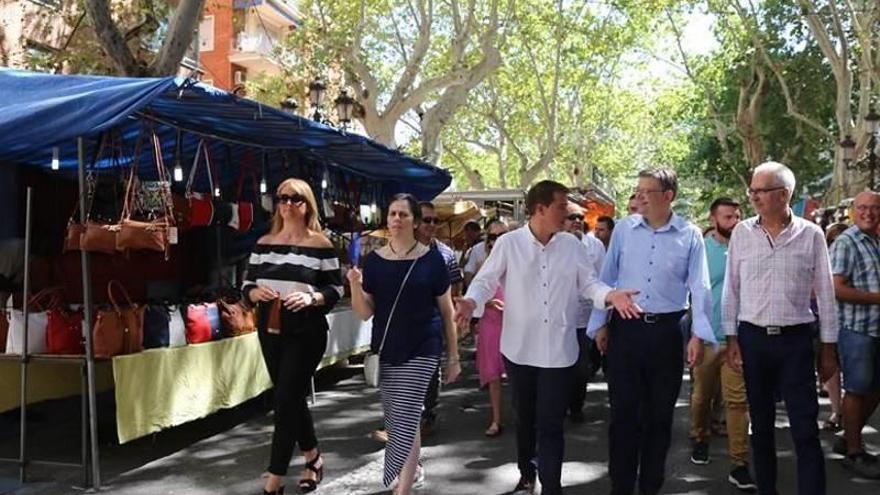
x=119, y=330
x=236, y=319
x=98, y=237
x=151, y=235
x=75, y=231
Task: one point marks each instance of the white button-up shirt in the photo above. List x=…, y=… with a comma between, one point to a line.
x=542, y=284
x=596, y=251
x=769, y=282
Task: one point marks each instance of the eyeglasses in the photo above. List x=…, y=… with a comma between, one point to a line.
x=431, y=220
x=754, y=191
x=574, y=217
x=871, y=208
x=643, y=192
x=290, y=199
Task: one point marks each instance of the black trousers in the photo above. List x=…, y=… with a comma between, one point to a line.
x=785, y=363
x=584, y=369
x=540, y=398
x=645, y=366
x=291, y=359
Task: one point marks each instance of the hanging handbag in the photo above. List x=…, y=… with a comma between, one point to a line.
x=119, y=330
x=38, y=319
x=152, y=235
x=236, y=319
x=75, y=231
x=201, y=206
x=64, y=333
x=243, y=211
x=371, y=362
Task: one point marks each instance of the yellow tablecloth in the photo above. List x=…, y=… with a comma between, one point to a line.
x=47, y=381
x=161, y=388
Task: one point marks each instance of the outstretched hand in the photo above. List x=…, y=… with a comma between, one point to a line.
x=622, y=300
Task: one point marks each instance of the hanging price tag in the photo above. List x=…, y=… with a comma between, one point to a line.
x=172, y=235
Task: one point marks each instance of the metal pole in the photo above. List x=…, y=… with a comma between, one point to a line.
x=87, y=323
x=22, y=451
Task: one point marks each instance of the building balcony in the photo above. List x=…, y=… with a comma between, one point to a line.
x=255, y=52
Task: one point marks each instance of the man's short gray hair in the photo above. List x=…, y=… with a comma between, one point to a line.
x=784, y=176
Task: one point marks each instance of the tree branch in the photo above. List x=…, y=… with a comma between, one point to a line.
x=179, y=37
x=111, y=38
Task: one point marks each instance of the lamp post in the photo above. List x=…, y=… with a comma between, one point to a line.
x=289, y=105
x=317, y=90
x=870, y=163
x=344, y=108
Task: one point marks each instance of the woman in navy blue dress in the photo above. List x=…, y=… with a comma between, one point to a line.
x=409, y=352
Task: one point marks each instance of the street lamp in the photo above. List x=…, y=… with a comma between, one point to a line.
x=870, y=162
x=289, y=105
x=317, y=89
x=344, y=108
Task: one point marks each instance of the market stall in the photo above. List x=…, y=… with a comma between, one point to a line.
x=80, y=143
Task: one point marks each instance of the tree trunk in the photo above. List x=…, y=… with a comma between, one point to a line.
x=179, y=37
x=111, y=39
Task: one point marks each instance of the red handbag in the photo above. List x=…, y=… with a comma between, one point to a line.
x=243, y=211
x=201, y=207
x=198, y=324
x=64, y=332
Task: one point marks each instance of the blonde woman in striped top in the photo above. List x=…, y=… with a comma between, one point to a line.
x=296, y=265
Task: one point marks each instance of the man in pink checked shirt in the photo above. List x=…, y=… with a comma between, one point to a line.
x=775, y=262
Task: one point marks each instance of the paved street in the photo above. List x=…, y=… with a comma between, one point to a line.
x=227, y=453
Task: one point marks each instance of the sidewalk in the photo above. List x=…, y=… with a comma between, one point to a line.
x=228, y=452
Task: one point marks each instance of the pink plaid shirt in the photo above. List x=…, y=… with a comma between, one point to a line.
x=770, y=282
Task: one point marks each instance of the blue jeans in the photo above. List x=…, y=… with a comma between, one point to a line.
x=786, y=363
x=860, y=361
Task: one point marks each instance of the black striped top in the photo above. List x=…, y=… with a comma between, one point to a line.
x=317, y=269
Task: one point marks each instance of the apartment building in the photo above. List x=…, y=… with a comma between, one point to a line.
x=238, y=38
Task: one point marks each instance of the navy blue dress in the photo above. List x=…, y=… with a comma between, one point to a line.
x=411, y=333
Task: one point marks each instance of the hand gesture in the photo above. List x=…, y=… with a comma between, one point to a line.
x=695, y=351
x=622, y=301
x=262, y=294
x=464, y=309
x=602, y=340
x=296, y=301
x=355, y=276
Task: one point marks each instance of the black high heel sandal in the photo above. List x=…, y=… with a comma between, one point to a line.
x=307, y=485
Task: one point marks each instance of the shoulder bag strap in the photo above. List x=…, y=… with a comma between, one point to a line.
x=394, y=306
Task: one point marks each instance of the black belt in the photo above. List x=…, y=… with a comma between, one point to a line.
x=802, y=328
x=652, y=318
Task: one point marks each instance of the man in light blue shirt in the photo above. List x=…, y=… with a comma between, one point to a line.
x=663, y=256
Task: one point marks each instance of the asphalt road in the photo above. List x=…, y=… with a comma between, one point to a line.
x=227, y=453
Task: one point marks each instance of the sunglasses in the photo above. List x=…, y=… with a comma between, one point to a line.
x=574, y=217
x=431, y=220
x=290, y=199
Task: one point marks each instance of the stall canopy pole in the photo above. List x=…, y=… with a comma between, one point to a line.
x=22, y=452
x=87, y=322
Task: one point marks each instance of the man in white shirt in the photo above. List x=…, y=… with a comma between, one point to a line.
x=543, y=272
x=585, y=366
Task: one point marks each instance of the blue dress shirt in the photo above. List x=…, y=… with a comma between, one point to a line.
x=664, y=265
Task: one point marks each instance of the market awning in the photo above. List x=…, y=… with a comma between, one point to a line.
x=39, y=112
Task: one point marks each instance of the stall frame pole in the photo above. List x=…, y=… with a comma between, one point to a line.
x=22, y=450
x=87, y=323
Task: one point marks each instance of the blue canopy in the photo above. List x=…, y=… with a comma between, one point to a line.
x=39, y=112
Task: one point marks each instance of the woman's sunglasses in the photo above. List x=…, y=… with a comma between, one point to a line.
x=431, y=220
x=575, y=217
x=290, y=199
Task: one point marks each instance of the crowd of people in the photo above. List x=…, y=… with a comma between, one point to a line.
x=752, y=309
